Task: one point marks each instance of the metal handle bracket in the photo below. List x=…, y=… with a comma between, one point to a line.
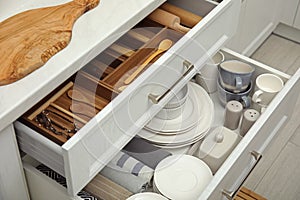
x=231, y=194
x=157, y=98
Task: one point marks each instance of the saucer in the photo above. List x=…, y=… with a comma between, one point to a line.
x=181, y=177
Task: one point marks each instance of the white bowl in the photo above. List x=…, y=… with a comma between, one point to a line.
x=179, y=98
x=170, y=113
x=181, y=177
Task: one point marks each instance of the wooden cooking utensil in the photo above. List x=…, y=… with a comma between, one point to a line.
x=187, y=18
x=164, y=45
x=122, y=50
x=83, y=109
x=68, y=112
x=29, y=39
x=167, y=19
x=77, y=95
x=121, y=88
x=138, y=36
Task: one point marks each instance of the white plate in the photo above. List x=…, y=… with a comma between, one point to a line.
x=188, y=137
x=191, y=114
x=147, y=196
x=182, y=177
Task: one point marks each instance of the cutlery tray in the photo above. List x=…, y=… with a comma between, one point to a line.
x=100, y=80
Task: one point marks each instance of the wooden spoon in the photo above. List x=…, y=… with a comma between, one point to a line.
x=164, y=45
x=77, y=95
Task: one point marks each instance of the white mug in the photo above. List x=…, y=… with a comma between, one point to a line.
x=267, y=86
x=208, y=74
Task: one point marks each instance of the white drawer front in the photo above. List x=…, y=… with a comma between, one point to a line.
x=90, y=149
x=240, y=163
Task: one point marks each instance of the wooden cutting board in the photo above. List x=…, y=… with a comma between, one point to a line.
x=29, y=39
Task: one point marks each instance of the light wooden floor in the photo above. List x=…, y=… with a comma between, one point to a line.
x=277, y=176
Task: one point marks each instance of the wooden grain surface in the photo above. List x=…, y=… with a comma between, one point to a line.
x=29, y=39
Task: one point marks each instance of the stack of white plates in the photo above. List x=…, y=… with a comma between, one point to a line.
x=189, y=127
x=181, y=177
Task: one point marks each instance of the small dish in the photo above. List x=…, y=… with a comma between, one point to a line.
x=181, y=177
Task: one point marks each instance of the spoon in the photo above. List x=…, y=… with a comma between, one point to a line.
x=77, y=95
x=164, y=45
x=83, y=109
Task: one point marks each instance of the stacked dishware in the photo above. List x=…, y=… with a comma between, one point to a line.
x=234, y=82
x=185, y=120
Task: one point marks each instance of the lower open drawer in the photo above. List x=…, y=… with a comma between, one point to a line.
x=240, y=162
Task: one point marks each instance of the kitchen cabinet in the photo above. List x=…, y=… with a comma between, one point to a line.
x=257, y=21
x=89, y=150
x=91, y=35
x=290, y=14
x=297, y=18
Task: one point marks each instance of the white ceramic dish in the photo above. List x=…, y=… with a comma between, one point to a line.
x=197, y=107
x=147, y=196
x=188, y=119
x=179, y=98
x=201, y=128
x=170, y=113
x=182, y=177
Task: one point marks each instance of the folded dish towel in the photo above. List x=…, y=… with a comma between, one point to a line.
x=145, y=152
x=131, y=165
x=134, y=184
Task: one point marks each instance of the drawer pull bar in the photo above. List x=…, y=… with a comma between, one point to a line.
x=157, y=98
x=230, y=195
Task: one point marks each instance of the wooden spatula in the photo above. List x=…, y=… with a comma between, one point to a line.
x=29, y=39
x=164, y=45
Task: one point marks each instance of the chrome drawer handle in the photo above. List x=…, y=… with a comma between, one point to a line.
x=157, y=98
x=230, y=195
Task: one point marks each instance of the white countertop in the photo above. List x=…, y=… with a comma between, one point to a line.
x=92, y=33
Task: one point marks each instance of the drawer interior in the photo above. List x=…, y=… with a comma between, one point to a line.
x=61, y=114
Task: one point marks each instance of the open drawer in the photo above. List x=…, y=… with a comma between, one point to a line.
x=248, y=152
x=82, y=156
x=250, y=149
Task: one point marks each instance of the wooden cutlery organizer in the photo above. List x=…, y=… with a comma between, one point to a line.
x=69, y=107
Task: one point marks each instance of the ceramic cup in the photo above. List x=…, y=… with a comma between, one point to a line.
x=226, y=96
x=235, y=76
x=208, y=75
x=266, y=87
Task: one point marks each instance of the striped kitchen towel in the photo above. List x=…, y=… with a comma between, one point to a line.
x=128, y=164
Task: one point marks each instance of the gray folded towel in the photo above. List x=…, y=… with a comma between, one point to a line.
x=131, y=165
x=145, y=152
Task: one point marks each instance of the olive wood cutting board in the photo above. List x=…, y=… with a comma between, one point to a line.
x=29, y=39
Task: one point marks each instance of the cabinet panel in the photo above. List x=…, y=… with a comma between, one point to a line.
x=255, y=25
x=297, y=18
